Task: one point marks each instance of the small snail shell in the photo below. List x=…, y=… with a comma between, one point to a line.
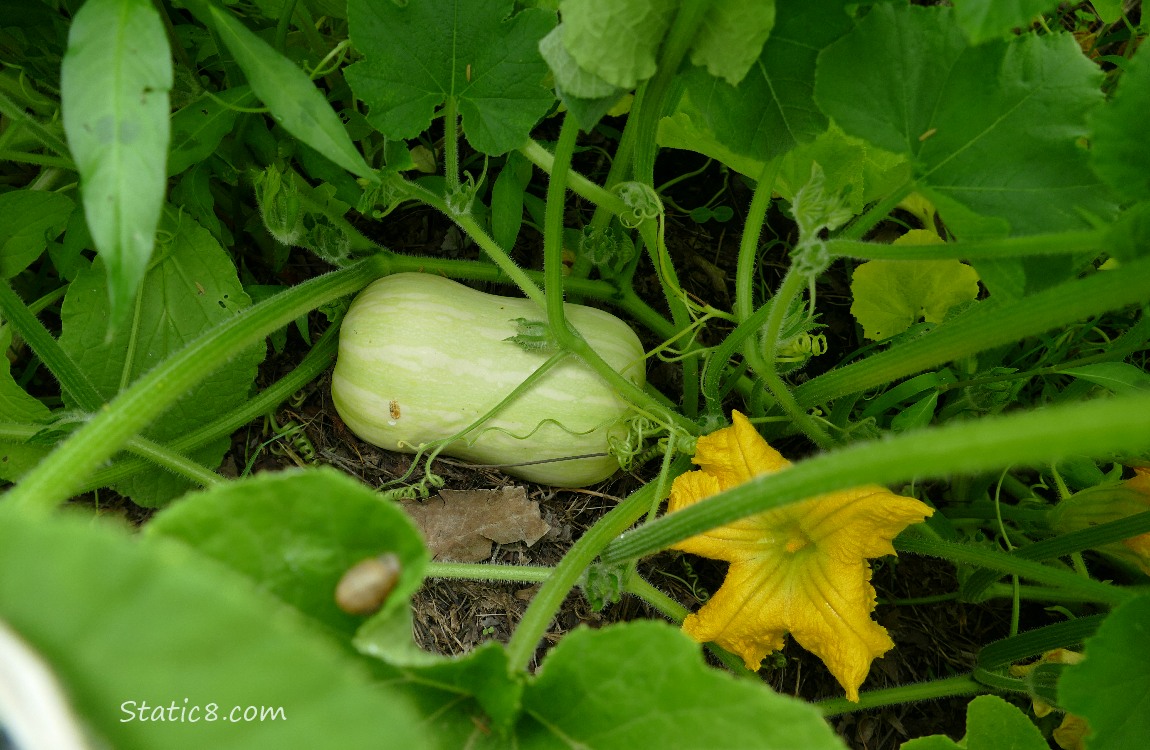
x=364, y=587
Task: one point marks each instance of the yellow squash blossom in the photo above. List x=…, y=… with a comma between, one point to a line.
x=1109, y=503
x=1072, y=732
x=801, y=569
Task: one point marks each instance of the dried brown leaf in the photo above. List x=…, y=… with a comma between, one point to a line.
x=460, y=525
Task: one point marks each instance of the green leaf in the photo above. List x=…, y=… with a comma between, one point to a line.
x=891, y=295
x=771, y=110
x=1120, y=378
x=732, y=37
x=1108, y=11
x=15, y=404
x=114, y=87
x=192, y=287
x=420, y=53
x=198, y=128
x=485, y=675
x=993, y=130
x=274, y=8
x=31, y=218
x=855, y=169
x=507, y=200
x=569, y=77
x=982, y=20
x=293, y=99
x=1118, y=145
x=295, y=533
x=688, y=131
x=123, y=623
x=991, y=724
x=919, y=414
x=1111, y=688
x=617, y=40
x=644, y=684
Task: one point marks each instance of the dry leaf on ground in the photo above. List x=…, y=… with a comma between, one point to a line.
x=460, y=525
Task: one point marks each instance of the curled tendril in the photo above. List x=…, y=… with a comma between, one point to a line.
x=802, y=347
x=642, y=201
x=646, y=439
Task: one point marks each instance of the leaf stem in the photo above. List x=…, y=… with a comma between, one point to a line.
x=876, y=213
x=451, y=142
x=1009, y=563
x=780, y=303
x=1061, y=243
x=72, y=379
x=489, y=572
x=749, y=243
x=868, y=699
x=988, y=325
x=578, y=184
x=521, y=647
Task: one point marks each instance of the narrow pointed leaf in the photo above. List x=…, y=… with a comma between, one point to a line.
x=114, y=86
x=293, y=99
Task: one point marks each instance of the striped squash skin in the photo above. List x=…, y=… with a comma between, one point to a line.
x=421, y=357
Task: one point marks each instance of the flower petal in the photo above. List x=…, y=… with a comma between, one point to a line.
x=737, y=453
x=800, y=569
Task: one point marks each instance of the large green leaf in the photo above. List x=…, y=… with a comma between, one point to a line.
x=991, y=724
x=1119, y=143
x=983, y=20
x=420, y=53
x=293, y=99
x=732, y=37
x=114, y=87
x=296, y=533
x=644, y=684
x=771, y=110
x=993, y=130
x=124, y=624
x=1111, y=688
x=191, y=287
x=617, y=40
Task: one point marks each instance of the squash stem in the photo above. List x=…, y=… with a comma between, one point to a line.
x=788, y=290
x=58, y=476
x=567, y=337
x=451, y=143
x=489, y=572
x=580, y=185
x=521, y=647
x=317, y=360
